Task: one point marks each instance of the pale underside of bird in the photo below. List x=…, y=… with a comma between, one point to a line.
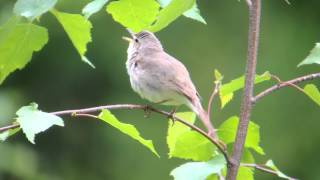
x=159, y=77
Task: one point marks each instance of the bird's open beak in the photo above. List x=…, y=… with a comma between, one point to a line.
x=127, y=39
x=131, y=33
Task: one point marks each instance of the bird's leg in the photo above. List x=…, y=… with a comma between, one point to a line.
x=146, y=110
x=171, y=115
x=147, y=107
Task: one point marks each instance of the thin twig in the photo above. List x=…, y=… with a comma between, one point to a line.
x=246, y=103
x=285, y=84
x=84, y=113
x=288, y=83
x=213, y=94
x=264, y=168
x=12, y=126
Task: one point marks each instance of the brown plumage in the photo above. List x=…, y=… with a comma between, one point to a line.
x=159, y=77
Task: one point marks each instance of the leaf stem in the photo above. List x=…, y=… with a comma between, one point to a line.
x=213, y=94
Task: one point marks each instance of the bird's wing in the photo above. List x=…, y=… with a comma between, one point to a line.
x=179, y=79
x=165, y=69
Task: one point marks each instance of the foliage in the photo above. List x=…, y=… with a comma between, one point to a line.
x=33, y=121
x=6, y=134
x=199, y=170
x=78, y=29
x=127, y=129
x=187, y=144
x=312, y=91
x=313, y=57
x=271, y=165
x=93, y=7
x=169, y=13
x=193, y=12
x=227, y=133
x=32, y=9
x=227, y=90
x=17, y=43
x=135, y=15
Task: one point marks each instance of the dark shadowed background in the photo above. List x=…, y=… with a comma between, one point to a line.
x=89, y=149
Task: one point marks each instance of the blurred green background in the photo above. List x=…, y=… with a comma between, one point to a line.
x=90, y=149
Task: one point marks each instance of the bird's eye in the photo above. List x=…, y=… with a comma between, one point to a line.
x=136, y=40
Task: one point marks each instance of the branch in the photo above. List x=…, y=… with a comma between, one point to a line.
x=246, y=103
x=84, y=113
x=265, y=169
x=289, y=84
x=285, y=84
x=12, y=126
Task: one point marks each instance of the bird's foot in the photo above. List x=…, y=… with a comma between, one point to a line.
x=147, y=111
x=171, y=115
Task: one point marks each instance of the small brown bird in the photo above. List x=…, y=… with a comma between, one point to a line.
x=159, y=77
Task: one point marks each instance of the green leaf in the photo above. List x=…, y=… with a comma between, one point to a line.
x=217, y=75
x=170, y=13
x=6, y=134
x=93, y=7
x=199, y=170
x=313, y=57
x=245, y=173
x=247, y=156
x=186, y=144
x=127, y=129
x=78, y=29
x=271, y=165
x=33, y=121
x=213, y=177
x=312, y=91
x=193, y=12
x=32, y=9
x=194, y=146
x=17, y=43
x=227, y=89
x=177, y=129
x=136, y=15
x=225, y=99
x=227, y=133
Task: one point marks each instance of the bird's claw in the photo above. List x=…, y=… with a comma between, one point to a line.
x=171, y=116
x=147, y=111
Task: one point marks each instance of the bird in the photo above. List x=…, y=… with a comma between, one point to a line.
x=160, y=78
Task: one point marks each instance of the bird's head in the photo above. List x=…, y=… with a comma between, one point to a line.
x=142, y=41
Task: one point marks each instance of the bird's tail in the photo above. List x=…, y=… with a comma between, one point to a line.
x=204, y=117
